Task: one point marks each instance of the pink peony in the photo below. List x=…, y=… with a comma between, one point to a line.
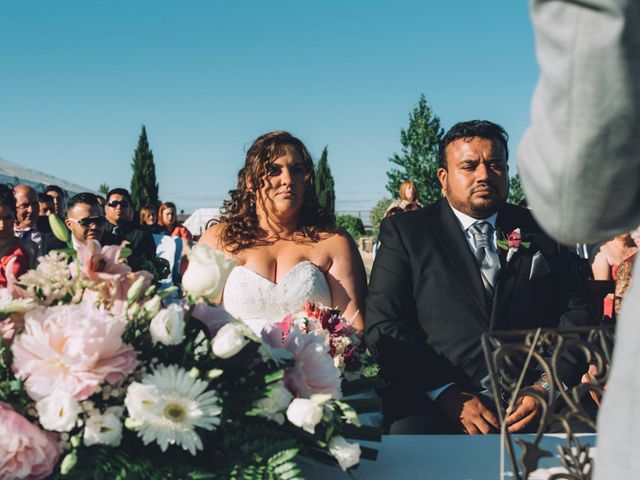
x=73, y=348
x=26, y=451
x=314, y=370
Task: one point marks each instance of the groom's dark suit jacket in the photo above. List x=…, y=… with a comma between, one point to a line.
x=426, y=305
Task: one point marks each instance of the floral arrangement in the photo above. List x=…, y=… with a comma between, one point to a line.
x=340, y=336
x=100, y=379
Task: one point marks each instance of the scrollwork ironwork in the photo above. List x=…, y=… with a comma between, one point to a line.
x=517, y=360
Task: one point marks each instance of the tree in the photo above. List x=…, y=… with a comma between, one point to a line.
x=144, y=189
x=324, y=183
x=351, y=224
x=103, y=188
x=516, y=193
x=377, y=214
x=419, y=158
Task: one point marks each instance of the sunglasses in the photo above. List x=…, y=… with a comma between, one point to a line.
x=85, y=222
x=115, y=203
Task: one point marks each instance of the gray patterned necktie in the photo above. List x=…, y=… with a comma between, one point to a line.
x=487, y=259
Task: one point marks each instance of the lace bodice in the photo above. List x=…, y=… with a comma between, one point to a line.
x=257, y=301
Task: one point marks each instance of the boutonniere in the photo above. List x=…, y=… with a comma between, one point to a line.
x=512, y=243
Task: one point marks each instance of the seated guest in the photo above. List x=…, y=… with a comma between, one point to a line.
x=59, y=199
x=148, y=220
x=440, y=281
x=85, y=221
x=606, y=261
x=119, y=212
x=27, y=214
x=408, y=194
x=46, y=204
x=46, y=208
x=168, y=219
x=10, y=245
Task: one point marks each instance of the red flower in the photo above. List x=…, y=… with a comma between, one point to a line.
x=514, y=239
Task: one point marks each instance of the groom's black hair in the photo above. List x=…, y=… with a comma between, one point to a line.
x=472, y=128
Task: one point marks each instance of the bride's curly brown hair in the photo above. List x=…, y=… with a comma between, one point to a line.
x=239, y=220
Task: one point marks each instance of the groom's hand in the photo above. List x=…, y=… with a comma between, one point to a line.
x=466, y=411
x=526, y=410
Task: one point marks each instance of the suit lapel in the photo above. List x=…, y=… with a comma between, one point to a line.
x=510, y=272
x=451, y=237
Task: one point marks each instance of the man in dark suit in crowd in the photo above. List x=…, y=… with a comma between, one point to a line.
x=119, y=212
x=440, y=281
x=85, y=221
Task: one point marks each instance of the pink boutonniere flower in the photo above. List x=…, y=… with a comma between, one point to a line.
x=513, y=243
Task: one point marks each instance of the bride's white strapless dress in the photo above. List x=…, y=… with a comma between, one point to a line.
x=257, y=301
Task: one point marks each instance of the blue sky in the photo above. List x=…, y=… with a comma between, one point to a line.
x=78, y=79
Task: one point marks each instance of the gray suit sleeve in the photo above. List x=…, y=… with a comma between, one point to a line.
x=580, y=158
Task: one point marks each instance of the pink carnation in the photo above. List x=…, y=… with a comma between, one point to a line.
x=314, y=370
x=73, y=348
x=26, y=451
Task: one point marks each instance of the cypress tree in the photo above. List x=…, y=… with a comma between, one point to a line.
x=324, y=183
x=144, y=188
x=419, y=158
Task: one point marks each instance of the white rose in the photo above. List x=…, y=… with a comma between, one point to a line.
x=207, y=273
x=167, y=327
x=276, y=403
x=104, y=429
x=304, y=413
x=58, y=411
x=228, y=341
x=347, y=454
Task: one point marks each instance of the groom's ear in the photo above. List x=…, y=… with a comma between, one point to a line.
x=442, y=177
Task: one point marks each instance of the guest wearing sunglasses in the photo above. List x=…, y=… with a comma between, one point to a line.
x=119, y=212
x=85, y=221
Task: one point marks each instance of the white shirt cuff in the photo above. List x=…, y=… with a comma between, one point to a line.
x=434, y=394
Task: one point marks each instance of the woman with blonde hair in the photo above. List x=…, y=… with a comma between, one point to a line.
x=168, y=218
x=287, y=247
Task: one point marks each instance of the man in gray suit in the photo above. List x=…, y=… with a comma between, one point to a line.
x=580, y=166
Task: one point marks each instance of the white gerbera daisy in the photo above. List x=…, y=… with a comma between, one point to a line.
x=167, y=407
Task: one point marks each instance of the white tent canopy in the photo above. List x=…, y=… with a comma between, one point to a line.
x=197, y=222
x=18, y=175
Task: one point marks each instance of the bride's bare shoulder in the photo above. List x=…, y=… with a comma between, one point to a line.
x=337, y=240
x=212, y=237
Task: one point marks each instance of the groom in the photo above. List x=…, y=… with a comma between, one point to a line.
x=441, y=279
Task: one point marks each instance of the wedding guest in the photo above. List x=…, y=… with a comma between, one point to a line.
x=585, y=157
x=168, y=219
x=408, y=194
x=608, y=258
x=148, y=220
x=45, y=203
x=119, y=213
x=439, y=282
x=27, y=214
x=85, y=220
x=59, y=199
x=10, y=246
x=286, y=246
x=410, y=207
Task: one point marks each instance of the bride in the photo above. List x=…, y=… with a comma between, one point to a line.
x=287, y=247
